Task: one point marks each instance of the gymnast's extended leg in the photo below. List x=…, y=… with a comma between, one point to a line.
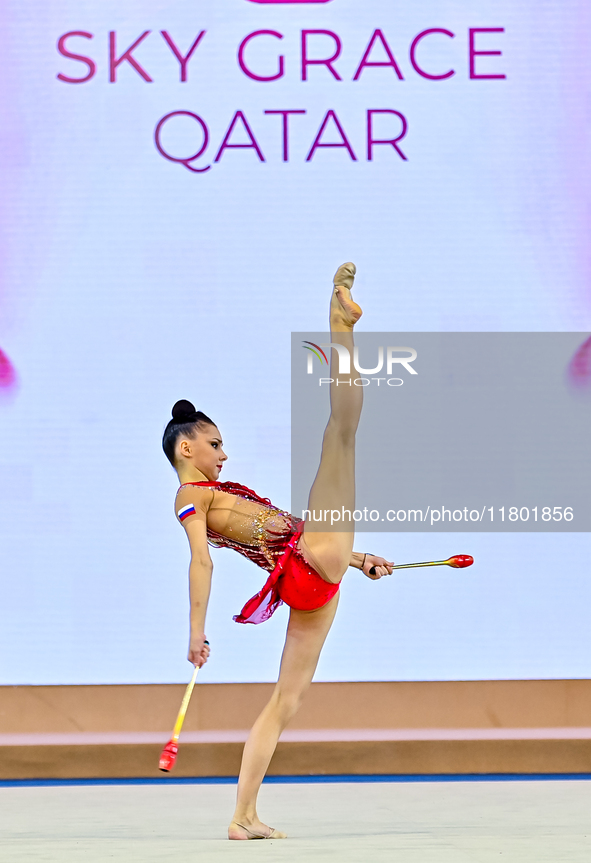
x=329, y=551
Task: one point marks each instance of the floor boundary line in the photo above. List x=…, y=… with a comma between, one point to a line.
x=295, y=780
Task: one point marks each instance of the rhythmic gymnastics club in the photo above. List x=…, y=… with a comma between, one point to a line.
x=170, y=751
x=458, y=560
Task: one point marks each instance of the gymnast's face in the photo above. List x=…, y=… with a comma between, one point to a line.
x=203, y=452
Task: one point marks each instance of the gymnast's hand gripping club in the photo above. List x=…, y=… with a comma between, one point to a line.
x=170, y=751
x=458, y=561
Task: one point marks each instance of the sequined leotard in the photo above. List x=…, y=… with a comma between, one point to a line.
x=269, y=537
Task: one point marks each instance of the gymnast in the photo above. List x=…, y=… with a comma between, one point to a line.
x=305, y=564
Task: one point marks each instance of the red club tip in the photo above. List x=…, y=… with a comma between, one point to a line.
x=168, y=756
x=460, y=560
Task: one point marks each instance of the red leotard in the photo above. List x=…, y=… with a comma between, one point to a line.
x=292, y=580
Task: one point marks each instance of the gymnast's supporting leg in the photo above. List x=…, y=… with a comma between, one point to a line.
x=306, y=633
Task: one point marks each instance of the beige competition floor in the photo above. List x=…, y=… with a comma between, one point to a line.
x=447, y=822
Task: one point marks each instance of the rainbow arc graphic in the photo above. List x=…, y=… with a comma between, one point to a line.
x=317, y=351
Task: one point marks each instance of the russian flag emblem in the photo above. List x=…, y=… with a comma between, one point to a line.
x=186, y=511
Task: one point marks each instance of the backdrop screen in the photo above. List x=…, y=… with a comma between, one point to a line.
x=179, y=183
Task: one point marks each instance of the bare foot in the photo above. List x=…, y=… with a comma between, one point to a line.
x=344, y=312
x=256, y=830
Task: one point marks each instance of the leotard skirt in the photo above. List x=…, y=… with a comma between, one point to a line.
x=294, y=582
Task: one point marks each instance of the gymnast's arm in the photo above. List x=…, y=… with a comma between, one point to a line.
x=365, y=562
x=200, y=570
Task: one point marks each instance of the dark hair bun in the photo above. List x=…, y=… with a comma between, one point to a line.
x=184, y=412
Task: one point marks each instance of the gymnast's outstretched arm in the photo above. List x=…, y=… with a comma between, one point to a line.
x=365, y=562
